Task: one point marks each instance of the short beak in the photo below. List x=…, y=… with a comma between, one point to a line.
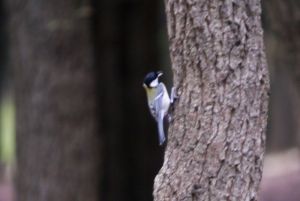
x=144, y=85
x=159, y=73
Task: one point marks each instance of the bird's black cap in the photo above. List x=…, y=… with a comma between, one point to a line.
x=150, y=77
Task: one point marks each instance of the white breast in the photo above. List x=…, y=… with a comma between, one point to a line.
x=166, y=101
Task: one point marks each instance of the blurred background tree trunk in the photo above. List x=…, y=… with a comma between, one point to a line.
x=51, y=52
x=3, y=73
x=3, y=46
x=217, y=137
x=282, y=38
x=127, y=49
x=62, y=99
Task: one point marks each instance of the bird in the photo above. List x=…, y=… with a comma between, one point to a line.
x=158, y=100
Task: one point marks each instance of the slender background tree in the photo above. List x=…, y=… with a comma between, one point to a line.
x=281, y=175
x=283, y=34
x=51, y=53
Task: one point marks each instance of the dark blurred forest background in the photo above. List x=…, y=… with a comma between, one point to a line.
x=74, y=112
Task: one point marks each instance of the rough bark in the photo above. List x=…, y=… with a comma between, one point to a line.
x=57, y=136
x=217, y=138
x=282, y=24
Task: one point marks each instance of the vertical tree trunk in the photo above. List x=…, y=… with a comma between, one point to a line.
x=217, y=137
x=3, y=68
x=53, y=62
x=3, y=45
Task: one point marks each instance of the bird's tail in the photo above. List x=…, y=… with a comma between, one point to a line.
x=161, y=133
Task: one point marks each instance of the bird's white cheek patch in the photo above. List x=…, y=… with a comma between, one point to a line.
x=154, y=83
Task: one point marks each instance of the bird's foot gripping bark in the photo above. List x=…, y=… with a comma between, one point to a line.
x=173, y=95
x=169, y=118
x=172, y=99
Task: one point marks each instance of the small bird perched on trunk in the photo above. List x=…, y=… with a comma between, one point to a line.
x=158, y=100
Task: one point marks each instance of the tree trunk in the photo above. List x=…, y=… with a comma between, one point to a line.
x=217, y=137
x=57, y=138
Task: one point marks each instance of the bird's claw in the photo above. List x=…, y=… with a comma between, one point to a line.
x=173, y=95
x=169, y=118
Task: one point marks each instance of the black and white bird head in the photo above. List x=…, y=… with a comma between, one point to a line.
x=151, y=80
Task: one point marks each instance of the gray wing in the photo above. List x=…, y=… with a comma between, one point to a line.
x=158, y=114
x=161, y=133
